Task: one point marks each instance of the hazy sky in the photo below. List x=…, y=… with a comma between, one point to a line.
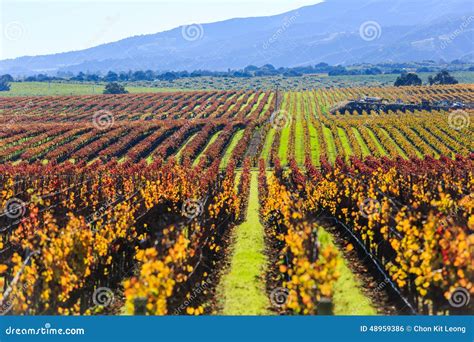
x=50, y=26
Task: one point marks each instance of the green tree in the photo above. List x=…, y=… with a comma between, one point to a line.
x=111, y=77
x=4, y=85
x=7, y=78
x=442, y=77
x=408, y=79
x=114, y=88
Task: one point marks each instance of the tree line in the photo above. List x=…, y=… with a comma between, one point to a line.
x=412, y=79
x=113, y=79
x=253, y=71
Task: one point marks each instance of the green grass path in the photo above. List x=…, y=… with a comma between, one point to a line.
x=209, y=143
x=344, y=141
x=183, y=146
x=284, y=142
x=268, y=145
x=365, y=150
x=299, y=131
x=377, y=142
x=331, y=145
x=348, y=298
x=228, y=152
x=315, y=147
x=242, y=288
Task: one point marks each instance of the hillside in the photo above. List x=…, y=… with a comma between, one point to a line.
x=397, y=31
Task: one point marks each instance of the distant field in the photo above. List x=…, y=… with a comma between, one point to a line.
x=43, y=88
x=293, y=83
x=222, y=83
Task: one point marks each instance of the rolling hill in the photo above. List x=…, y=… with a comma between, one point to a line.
x=335, y=31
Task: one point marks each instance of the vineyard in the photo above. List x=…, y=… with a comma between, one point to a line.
x=236, y=202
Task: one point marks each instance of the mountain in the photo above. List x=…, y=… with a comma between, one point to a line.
x=335, y=32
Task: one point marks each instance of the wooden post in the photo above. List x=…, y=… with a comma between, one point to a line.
x=325, y=307
x=140, y=306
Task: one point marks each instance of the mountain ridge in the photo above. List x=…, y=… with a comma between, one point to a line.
x=334, y=31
